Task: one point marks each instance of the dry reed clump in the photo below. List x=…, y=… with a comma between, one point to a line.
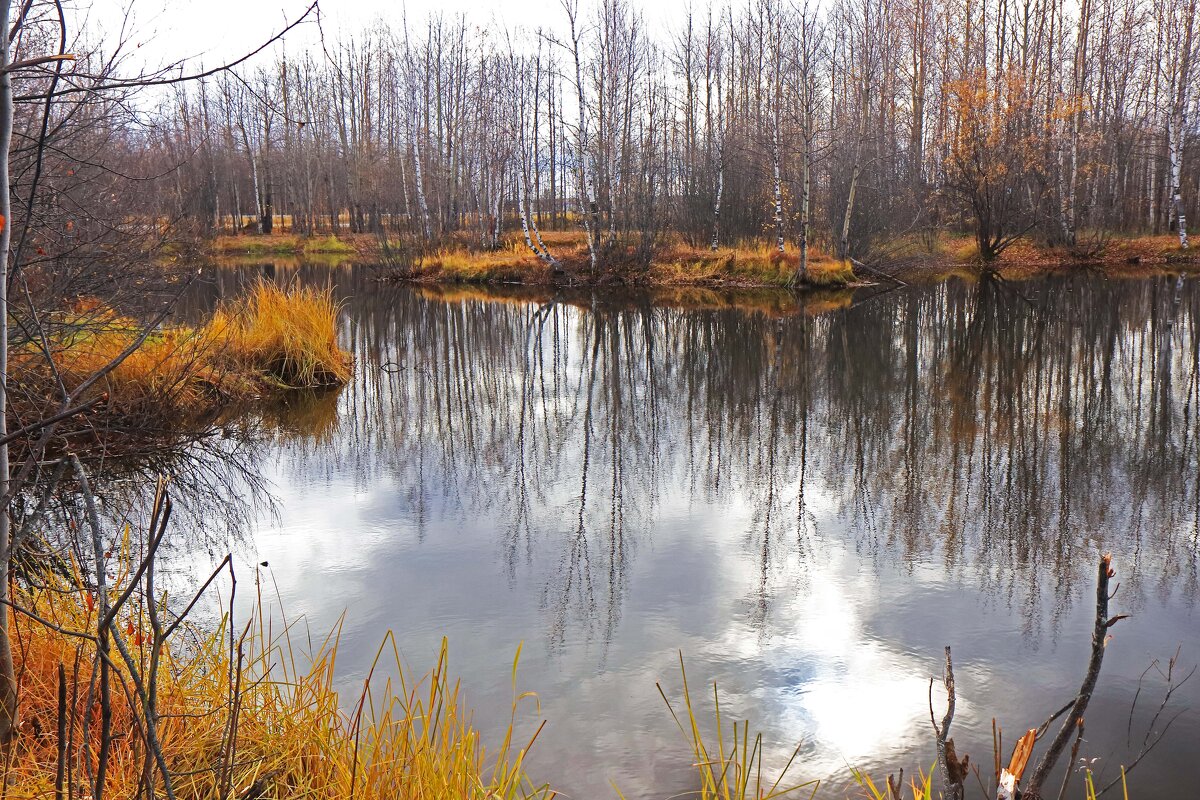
x=172, y=363
x=288, y=335
x=240, y=720
x=512, y=259
x=754, y=264
x=671, y=263
x=175, y=375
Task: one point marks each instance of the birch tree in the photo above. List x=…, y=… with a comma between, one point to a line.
x=1180, y=58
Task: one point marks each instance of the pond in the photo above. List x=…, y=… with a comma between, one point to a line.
x=807, y=499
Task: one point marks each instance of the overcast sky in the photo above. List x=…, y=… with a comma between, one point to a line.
x=214, y=31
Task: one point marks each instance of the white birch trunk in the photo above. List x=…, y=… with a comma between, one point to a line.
x=1064, y=200
x=720, y=189
x=805, y=202
x=1151, y=199
x=854, y=173
x=1175, y=155
x=8, y=683
x=585, y=177
x=237, y=205
x=777, y=158
x=258, y=205
x=1177, y=123
x=844, y=243
x=418, y=177
x=258, y=200
x=1069, y=183
x=527, y=226
x=496, y=209
x=481, y=218
x=406, y=209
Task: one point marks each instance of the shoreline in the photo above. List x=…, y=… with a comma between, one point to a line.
x=754, y=266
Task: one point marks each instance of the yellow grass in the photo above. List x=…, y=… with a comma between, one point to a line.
x=509, y=260
x=173, y=363
x=758, y=264
x=287, y=244
x=459, y=259
x=327, y=244
x=671, y=264
x=289, y=335
x=274, y=338
x=729, y=764
x=921, y=788
x=292, y=736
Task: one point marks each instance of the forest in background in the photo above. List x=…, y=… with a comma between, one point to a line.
x=839, y=125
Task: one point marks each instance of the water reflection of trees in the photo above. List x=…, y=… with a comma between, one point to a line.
x=1001, y=430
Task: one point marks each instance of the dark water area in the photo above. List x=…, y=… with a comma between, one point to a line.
x=808, y=500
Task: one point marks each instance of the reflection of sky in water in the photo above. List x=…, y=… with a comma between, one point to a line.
x=409, y=517
x=816, y=673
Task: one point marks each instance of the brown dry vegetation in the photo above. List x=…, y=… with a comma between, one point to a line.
x=672, y=263
x=264, y=721
x=273, y=340
x=747, y=265
x=956, y=255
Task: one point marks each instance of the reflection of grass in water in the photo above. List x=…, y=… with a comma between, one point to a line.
x=303, y=412
x=768, y=301
x=259, y=720
x=286, y=260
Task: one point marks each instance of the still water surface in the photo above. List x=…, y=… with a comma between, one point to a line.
x=808, y=501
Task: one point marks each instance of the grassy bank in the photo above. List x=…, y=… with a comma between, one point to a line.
x=291, y=245
x=673, y=263
x=240, y=713
x=919, y=259
x=272, y=341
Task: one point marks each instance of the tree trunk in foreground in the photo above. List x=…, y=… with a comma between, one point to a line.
x=8, y=682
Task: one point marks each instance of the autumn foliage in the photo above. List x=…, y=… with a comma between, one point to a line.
x=242, y=712
x=993, y=161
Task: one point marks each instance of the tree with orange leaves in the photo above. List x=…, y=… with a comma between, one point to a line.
x=993, y=158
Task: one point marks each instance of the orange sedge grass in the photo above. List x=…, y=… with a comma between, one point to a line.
x=671, y=263
x=174, y=362
x=755, y=263
x=273, y=338
x=289, y=335
x=292, y=735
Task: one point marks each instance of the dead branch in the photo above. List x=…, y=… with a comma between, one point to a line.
x=1074, y=718
x=953, y=771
